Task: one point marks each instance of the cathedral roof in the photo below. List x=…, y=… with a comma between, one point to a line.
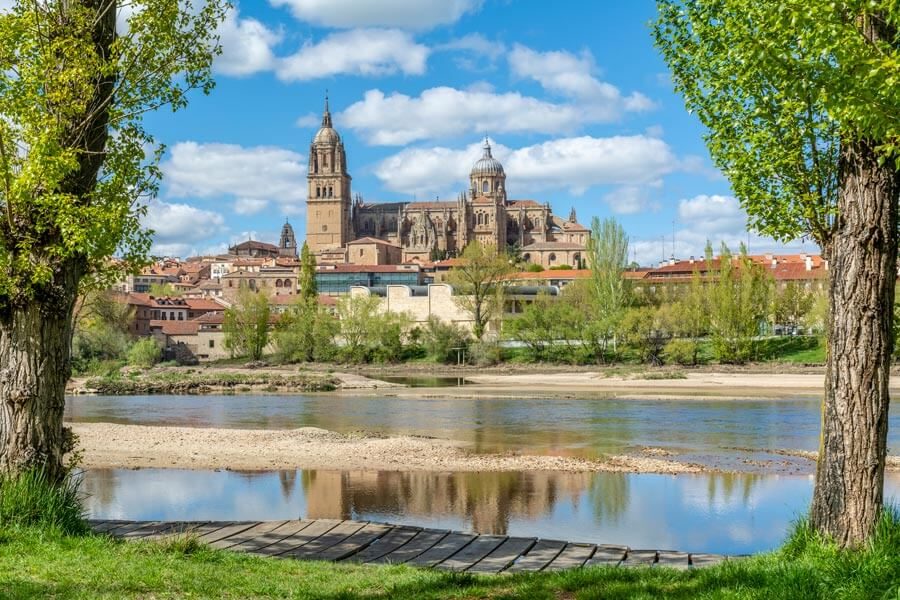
x=487, y=164
x=435, y=204
x=371, y=240
x=525, y=204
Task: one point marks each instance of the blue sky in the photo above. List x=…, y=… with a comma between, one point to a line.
x=573, y=95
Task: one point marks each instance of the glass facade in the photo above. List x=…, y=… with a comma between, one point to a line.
x=335, y=283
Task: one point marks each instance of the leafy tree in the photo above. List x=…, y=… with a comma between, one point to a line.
x=690, y=321
x=145, y=353
x=801, y=103
x=478, y=284
x=163, y=290
x=246, y=324
x=608, y=258
x=441, y=338
x=368, y=333
x=74, y=164
x=102, y=329
x=306, y=284
x=648, y=329
x=791, y=304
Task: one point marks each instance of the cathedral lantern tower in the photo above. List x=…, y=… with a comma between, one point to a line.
x=487, y=178
x=328, y=204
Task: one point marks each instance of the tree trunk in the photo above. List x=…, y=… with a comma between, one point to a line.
x=35, y=348
x=849, y=488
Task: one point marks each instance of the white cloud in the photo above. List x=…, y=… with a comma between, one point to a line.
x=246, y=46
x=631, y=199
x=251, y=176
x=575, y=164
x=573, y=76
x=444, y=111
x=367, y=52
x=177, y=227
x=406, y=14
x=474, y=52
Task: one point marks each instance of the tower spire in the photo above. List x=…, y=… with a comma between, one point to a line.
x=326, y=116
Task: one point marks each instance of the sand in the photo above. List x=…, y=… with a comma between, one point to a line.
x=106, y=445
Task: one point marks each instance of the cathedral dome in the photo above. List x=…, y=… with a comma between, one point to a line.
x=487, y=164
x=327, y=134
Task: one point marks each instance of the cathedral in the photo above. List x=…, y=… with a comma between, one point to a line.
x=341, y=228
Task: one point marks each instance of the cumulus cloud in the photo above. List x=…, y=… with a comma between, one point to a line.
x=178, y=227
x=573, y=76
x=444, y=111
x=252, y=176
x=246, y=45
x=631, y=199
x=575, y=164
x=367, y=52
x=441, y=112
x=405, y=14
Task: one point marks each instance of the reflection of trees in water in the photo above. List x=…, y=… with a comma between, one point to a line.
x=99, y=486
x=609, y=495
x=487, y=500
x=288, y=480
x=728, y=484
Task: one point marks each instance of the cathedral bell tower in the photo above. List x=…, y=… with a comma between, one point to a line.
x=328, y=194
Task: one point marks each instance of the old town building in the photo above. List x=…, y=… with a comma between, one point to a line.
x=341, y=228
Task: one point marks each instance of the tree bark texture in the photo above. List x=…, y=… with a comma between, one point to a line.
x=35, y=343
x=862, y=255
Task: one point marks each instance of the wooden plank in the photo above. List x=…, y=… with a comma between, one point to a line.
x=673, y=560
x=607, y=556
x=706, y=560
x=640, y=558
x=572, y=557
x=540, y=555
x=423, y=541
x=304, y=536
x=148, y=529
x=122, y=530
x=503, y=555
x=353, y=544
x=226, y=532
x=106, y=526
x=380, y=551
x=272, y=537
x=183, y=528
x=247, y=534
x=466, y=558
x=447, y=547
x=327, y=540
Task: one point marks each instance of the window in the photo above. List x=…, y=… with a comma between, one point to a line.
x=212, y=343
x=330, y=192
x=552, y=257
x=318, y=192
x=361, y=251
x=485, y=186
x=181, y=316
x=324, y=227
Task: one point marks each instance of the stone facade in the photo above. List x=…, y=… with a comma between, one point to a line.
x=426, y=231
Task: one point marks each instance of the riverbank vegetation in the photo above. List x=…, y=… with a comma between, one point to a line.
x=48, y=553
x=194, y=381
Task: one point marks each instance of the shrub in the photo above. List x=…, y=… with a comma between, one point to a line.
x=561, y=268
x=144, y=353
x=30, y=499
x=440, y=338
x=534, y=268
x=484, y=353
x=682, y=351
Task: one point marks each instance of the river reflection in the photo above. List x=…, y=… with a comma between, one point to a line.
x=730, y=513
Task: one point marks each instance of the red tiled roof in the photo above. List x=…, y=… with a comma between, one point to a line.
x=449, y=263
x=552, y=274
x=206, y=304
x=372, y=240
x=210, y=318
x=175, y=327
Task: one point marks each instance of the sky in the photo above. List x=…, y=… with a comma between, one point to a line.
x=575, y=100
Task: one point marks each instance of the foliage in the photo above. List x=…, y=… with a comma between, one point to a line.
x=608, y=257
x=101, y=330
x=534, y=268
x=163, y=290
x=546, y=327
x=561, y=268
x=246, y=324
x=792, y=303
x=368, y=333
x=441, y=339
x=682, y=351
x=305, y=333
x=30, y=499
x=144, y=353
x=74, y=157
x=738, y=300
x=648, y=329
x=478, y=284
x=484, y=353
x=306, y=284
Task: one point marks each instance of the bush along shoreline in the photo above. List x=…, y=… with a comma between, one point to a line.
x=194, y=383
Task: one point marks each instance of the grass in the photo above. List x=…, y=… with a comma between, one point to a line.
x=46, y=553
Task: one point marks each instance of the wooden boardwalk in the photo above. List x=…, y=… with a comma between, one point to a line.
x=379, y=543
